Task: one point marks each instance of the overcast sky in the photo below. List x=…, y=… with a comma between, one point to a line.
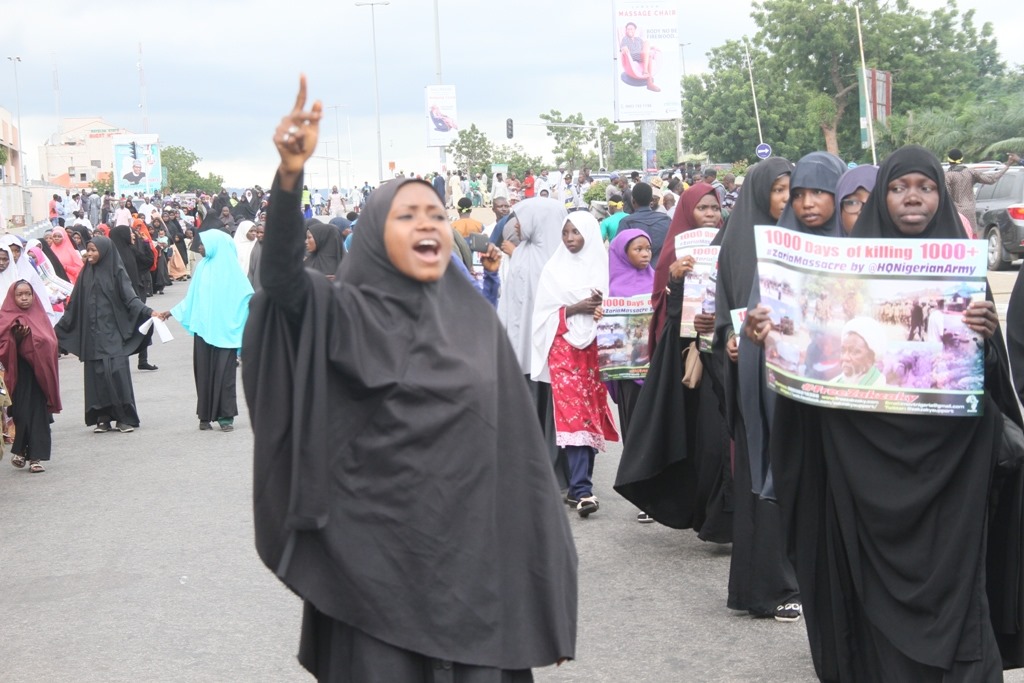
x=219, y=75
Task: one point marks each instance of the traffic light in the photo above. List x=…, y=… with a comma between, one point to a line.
x=508, y=128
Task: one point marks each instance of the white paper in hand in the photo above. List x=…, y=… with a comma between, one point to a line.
x=162, y=331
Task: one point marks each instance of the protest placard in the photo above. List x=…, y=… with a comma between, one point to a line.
x=699, y=286
x=873, y=325
x=622, y=349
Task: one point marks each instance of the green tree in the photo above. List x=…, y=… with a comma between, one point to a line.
x=472, y=150
x=104, y=184
x=718, y=108
x=572, y=145
x=982, y=130
x=935, y=58
x=621, y=144
x=805, y=63
x=517, y=159
x=181, y=174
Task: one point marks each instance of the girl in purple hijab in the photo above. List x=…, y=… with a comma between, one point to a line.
x=629, y=274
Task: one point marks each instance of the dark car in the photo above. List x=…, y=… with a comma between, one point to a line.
x=1000, y=215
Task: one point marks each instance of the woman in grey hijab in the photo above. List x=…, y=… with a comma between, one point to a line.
x=538, y=223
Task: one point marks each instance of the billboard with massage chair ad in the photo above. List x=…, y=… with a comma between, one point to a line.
x=647, y=61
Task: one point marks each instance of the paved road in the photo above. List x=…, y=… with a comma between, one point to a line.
x=131, y=559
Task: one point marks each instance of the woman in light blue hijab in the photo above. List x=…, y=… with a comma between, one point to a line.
x=214, y=311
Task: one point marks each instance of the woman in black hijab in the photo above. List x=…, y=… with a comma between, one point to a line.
x=132, y=259
x=101, y=327
x=899, y=525
x=761, y=579
x=402, y=487
x=175, y=233
x=323, y=247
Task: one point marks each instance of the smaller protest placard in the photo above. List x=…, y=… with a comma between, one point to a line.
x=622, y=349
x=699, y=287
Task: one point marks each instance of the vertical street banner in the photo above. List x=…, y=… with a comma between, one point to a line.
x=622, y=350
x=873, y=324
x=442, y=118
x=700, y=283
x=137, y=164
x=647, y=62
x=875, y=89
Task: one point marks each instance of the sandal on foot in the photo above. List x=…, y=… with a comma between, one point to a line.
x=35, y=467
x=791, y=611
x=18, y=461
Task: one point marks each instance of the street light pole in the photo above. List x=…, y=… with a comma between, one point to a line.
x=376, y=82
x=21, y=132
x=337, y=133
x=437, y=65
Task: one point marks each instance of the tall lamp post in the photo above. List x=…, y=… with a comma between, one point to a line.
x=337, y=131
x=372, y=4
x=21, y=146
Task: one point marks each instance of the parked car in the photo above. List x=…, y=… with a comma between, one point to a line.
x=1000, y=216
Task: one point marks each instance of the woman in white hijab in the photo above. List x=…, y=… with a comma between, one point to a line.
x=26, y=272
x=245, y=241
x=564, y=351
x=8, y=270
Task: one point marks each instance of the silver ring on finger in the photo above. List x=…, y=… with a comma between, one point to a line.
x=292, y=130
x=286, y=137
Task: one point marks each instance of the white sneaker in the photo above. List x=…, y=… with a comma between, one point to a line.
x=587, y=506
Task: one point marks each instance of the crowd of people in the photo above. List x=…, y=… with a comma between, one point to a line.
x=895, y=537
x=426, y=397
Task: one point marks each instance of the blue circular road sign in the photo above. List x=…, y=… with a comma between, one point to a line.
x=763, y=151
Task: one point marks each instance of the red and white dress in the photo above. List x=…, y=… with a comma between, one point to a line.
x=582, y=414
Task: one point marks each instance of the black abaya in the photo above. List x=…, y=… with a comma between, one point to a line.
x=335, y=653
x=402, y=487
x=760, y=575
x=676, y=454
x=100, y=326
x=109, y=394
x=31, y=418
x=215, y=371
x=904, y=529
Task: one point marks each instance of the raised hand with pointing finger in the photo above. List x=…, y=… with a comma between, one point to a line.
x=296, y=137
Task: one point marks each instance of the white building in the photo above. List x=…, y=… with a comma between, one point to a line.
x=15, y=202
x=82, y=151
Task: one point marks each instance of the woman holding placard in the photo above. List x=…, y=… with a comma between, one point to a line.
x=905, y=529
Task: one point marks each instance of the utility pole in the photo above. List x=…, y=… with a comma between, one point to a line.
x=21, y=133
x=376, y=80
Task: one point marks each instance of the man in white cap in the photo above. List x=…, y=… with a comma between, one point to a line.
x=863, y=339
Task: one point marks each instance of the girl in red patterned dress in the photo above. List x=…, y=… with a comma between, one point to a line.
x=565, y=315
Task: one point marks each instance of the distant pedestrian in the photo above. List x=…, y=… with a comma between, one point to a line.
x=214, y=312
x=960, y=181
x=100, y=326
